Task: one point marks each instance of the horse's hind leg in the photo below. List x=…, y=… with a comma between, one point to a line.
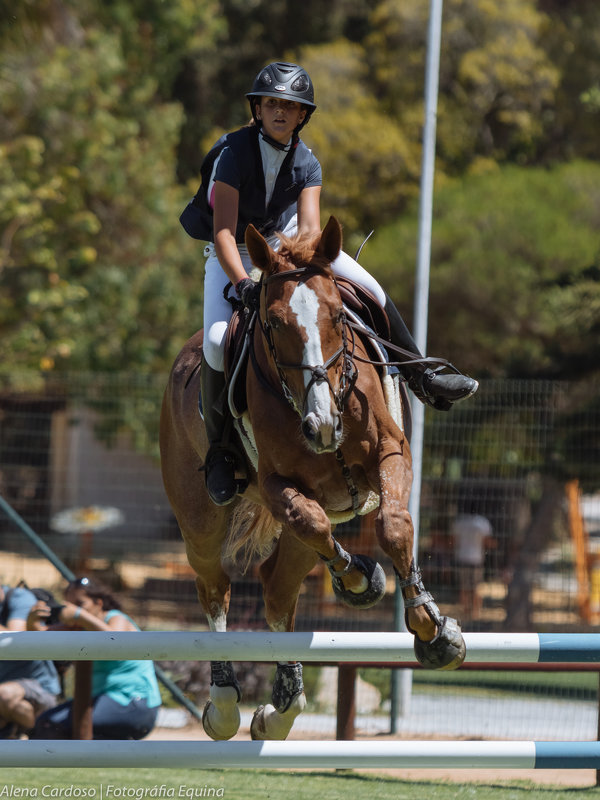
x=203, y=525
x=282, y=575
x=221, y=716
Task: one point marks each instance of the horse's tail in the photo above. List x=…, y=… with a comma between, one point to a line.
x=252, y=533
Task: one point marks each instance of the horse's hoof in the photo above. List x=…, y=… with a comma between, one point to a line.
x=374, y=574
x=257, y=726
x=228, y=724
x=446, y=650
x=270, y=724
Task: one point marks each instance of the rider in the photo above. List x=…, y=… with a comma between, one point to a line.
x=265, y=175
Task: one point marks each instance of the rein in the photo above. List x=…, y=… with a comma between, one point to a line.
x=412, y=358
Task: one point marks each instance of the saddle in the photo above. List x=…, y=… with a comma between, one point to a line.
x=354, y=297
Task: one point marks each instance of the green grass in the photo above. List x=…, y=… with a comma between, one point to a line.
x=264, y=785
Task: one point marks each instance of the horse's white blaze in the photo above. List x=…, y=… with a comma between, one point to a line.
x=305, y=304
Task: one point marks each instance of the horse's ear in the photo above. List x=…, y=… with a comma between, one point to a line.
x=259, y=250
x=331, y=240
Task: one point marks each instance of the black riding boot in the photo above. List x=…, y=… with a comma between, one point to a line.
x=219, y=464
x=433, y=388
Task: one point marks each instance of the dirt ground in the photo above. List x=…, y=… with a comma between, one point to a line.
x=557, y=777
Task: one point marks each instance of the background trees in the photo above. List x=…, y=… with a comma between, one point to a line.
x=106, y=110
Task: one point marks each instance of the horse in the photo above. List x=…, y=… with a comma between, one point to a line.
x=325, y=443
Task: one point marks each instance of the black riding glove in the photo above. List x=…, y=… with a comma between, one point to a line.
x=249, y=293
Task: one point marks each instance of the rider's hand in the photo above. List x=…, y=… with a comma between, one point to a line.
x=249, y=293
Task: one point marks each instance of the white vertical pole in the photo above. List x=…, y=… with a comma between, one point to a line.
x=402, y=679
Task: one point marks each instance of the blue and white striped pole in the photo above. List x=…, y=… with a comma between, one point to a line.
x=320, y=646
x=301, y=754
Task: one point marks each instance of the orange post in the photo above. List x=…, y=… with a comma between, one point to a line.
x=580, y=543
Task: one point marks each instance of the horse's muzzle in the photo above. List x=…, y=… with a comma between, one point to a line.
x=321, y=436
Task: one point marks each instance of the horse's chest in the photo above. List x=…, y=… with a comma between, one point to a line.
x=334, y=491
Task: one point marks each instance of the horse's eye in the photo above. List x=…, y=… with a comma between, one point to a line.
x=274, y=323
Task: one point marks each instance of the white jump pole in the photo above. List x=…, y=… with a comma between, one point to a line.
x=264, y=646
x=301, y=754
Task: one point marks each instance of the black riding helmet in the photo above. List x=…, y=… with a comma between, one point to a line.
x=288, y=81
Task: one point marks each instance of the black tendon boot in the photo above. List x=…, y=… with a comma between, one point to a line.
x=219, y=464
x=439, y=390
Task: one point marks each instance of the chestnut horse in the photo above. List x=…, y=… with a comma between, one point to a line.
x=325, y=443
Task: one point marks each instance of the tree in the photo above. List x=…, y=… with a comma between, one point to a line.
x=572, y=42
x=514, y=285
x=370, y=169
x=496, y=81
x=93, y=267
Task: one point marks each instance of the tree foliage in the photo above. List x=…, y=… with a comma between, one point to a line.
x=495, y=79
x=106, y=109
x=92, y=274
x=515, y=272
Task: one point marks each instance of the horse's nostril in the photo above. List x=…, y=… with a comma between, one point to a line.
x=308, y=430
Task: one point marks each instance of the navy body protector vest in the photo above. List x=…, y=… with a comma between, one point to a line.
x=197, y=217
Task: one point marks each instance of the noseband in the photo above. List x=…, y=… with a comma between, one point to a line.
x=318, y=372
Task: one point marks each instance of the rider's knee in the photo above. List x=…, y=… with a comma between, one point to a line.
x=213, y=348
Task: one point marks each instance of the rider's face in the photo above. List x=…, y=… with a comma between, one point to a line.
x=280, y=117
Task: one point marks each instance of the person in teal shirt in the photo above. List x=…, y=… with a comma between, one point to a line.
x=125, y=694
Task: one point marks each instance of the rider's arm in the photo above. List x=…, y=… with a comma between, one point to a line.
x=225, y=217
x=309, y=212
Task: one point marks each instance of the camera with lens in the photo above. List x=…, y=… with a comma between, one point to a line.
x=54, y=616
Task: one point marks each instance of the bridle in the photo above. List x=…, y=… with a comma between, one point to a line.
x=318, y=372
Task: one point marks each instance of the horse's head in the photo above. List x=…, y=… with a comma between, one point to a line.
x=304, y=324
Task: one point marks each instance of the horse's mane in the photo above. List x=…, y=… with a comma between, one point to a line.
x=301, y=250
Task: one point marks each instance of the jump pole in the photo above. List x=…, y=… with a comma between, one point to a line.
x=301, y=754
x=266, y=647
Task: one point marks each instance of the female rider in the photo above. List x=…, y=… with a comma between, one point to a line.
x=265, y=175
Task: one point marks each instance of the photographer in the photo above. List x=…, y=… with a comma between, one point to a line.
x=26, y=687
x=125, y=694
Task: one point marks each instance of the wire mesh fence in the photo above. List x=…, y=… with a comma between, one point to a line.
x=524, y=455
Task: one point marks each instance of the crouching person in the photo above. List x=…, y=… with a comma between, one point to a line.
x=125, y=694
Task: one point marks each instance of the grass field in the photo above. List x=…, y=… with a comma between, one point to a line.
x=263, y=785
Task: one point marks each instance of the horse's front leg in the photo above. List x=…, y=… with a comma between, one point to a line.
x=438, y=640
x=357, y=580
